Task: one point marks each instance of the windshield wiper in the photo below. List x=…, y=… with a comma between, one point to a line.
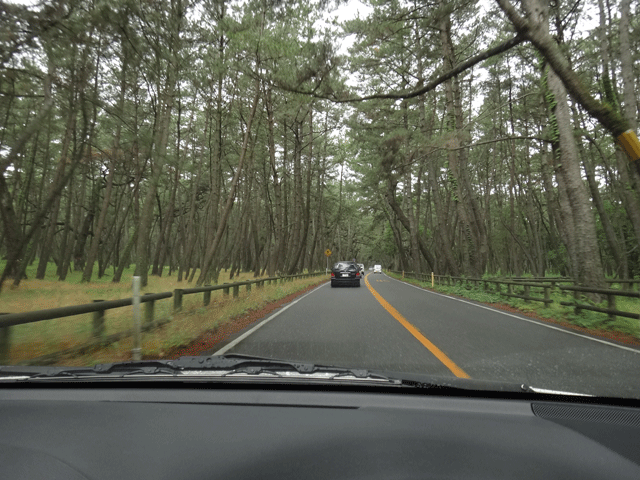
x=114, y=369
x=215, y=366
x=241, y=366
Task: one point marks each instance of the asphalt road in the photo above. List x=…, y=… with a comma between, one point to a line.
x=389, y=325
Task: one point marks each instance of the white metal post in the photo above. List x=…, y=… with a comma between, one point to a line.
x=136, y=352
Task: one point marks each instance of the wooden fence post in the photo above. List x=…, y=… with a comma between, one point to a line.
x=206, y=298
x=611, y=304
x=236, y=291
x=98, y=321
x=225, y=290
x=547, y=295
x=177, y=300
x=527, y=291
x=149, y=311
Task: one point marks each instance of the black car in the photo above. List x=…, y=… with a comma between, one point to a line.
x=345, y=273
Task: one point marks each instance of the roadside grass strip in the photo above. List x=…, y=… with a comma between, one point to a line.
x=47, y=337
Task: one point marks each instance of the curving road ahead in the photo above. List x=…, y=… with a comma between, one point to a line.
x=390, y=325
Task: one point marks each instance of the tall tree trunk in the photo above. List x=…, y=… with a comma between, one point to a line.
x=630, y=109
x=160, y=140
x=47, y=246
x=305, y=210
x=67, y=246
x=97, y=232
x=442, y=222
x=587, y=266
x=11, y=228
x=277, y=187
x=390, y=197
x=157, y=165
x=213, y=247
x=476, y=250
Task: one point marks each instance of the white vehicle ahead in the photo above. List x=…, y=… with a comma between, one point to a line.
x=377, y=269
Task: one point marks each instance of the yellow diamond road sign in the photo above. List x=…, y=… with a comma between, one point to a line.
x=327, y=252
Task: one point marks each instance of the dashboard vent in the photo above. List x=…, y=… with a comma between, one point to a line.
x=609, y=415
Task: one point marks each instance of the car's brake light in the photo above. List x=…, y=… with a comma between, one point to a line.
x=333, y=274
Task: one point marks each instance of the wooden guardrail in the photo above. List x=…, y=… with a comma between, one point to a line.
x=625, y=284
x=611, y=295
x=525, y=294
x=179, y=293
x=547, y=285
x=99, y=307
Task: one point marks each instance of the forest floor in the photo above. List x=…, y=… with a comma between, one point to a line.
x=621, y=330
x=47, y=337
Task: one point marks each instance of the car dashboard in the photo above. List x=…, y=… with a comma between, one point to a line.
x=196, y=431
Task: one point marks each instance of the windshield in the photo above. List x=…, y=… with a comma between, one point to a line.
x=174, y=172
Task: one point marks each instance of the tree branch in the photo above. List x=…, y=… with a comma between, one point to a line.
x=503, y=47
x=530, y=29
x=496, y=140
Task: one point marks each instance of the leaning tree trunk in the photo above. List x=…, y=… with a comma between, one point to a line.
x=588, y=266
x=213, y=247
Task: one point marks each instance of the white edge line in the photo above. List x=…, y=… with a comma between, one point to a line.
x=522, y=318
x=232, y=344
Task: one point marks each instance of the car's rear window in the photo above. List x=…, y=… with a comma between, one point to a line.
x=343, y=266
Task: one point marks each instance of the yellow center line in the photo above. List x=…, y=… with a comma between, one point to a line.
x=439, y=354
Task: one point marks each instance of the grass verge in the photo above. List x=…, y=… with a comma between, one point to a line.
x=47, y=337
x=622, y=329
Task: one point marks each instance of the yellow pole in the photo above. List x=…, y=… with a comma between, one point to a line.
x=630, y=144
x=432, y=278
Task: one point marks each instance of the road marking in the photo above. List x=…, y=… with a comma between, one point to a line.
x=530, y=320
x=439, y=354
x=230, y=345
